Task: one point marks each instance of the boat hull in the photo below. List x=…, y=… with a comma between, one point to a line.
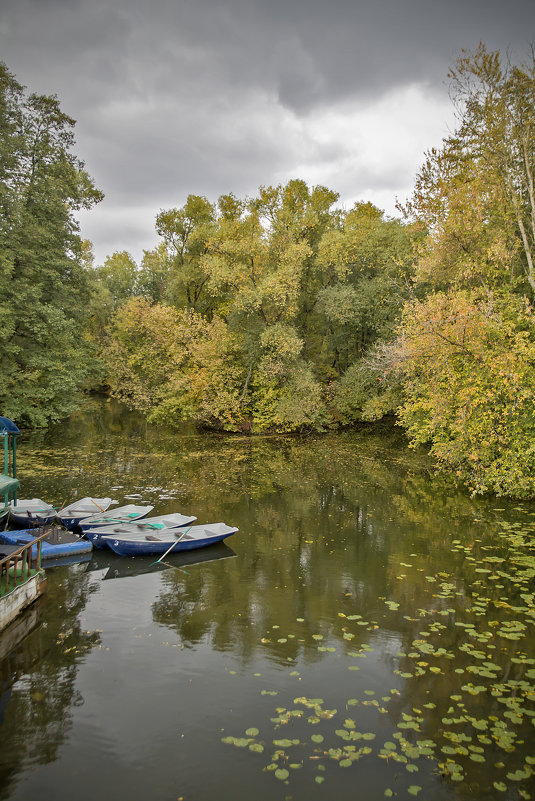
x=70, y=522
x=97, y=537
x=33, y=512
x=125, y=547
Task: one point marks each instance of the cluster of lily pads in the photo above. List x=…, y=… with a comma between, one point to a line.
x=467, y=700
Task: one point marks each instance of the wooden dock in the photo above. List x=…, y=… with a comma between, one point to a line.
x=22, y=579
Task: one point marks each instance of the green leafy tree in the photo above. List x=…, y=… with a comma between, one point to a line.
x=367, y=264
x=296, y=218
x=261, y=264
x=118, y=276
x=113, y=284
x=186, y=233
x=153, y=277
x=284, y=393
x=44, y=282
x=251, y=263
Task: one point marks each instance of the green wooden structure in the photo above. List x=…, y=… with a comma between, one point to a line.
x=8, y=479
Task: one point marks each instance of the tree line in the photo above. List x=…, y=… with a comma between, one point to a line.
x=283, y=312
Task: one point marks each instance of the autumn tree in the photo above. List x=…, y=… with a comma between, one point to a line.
x=252, y=264
x=173, y=365
x=476, y=193
x=465, y=353
x=248, y=268
x=468, y=363
x=301, y=288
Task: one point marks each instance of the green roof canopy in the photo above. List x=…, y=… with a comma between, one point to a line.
x=7, y=426
x=8, y=484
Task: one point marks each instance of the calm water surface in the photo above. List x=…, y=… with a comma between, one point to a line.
x=368, y=633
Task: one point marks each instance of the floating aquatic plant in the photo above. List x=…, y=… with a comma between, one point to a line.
x=478, y=635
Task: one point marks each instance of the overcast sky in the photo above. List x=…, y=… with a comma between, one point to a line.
x=173, y=97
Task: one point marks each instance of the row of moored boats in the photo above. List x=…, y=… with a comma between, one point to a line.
x=128, y=530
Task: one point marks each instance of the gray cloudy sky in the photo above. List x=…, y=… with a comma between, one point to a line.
x=174, y=97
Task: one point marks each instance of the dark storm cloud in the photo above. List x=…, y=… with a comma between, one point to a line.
x=362, y=49
x=304, y=51
x=211, y=96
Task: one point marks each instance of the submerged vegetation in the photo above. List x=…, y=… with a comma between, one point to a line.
x=282, y=312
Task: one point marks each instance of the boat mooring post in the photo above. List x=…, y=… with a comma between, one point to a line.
x=14, y=455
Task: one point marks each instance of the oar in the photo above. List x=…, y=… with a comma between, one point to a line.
x=171, y=548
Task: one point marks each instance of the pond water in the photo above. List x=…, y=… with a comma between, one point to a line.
x=367, y=634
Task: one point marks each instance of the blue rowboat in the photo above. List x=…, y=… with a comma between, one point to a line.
x=71, y=515
x=121, y=514
x=169, y=540
x=148, y=525
x=31, y=512
x=57, y=544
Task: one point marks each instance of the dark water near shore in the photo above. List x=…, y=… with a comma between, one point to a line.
x=368, y=633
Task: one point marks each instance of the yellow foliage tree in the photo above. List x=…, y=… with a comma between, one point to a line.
x=468, y=365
